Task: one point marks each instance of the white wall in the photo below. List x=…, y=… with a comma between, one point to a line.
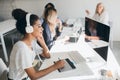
x=66, y=9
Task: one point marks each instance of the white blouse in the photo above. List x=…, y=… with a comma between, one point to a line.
x=103, y=18
x=21, y=58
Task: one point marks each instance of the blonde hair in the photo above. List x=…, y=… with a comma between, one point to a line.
x=48, y=12
x=100, y=3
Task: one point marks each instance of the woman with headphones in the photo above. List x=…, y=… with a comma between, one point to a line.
x=23, y=52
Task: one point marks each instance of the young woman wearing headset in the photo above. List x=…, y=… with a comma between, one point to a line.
x=23, y=54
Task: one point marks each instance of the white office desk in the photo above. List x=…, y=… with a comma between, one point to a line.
x=98, y=43
x=83, y=70
x=6, y=26
x=93, y=60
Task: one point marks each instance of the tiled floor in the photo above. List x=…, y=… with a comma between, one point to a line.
x=116, y=49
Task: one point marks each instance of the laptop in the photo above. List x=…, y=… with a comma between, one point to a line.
x=75, y=36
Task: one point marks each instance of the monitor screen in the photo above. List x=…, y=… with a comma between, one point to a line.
x=94, y=28
x=98, y=32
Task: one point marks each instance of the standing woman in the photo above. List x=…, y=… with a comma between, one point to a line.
x=23, y=54
x=52, y=26
x=100, y=14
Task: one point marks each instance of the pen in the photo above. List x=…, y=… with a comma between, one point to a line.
x=58, y=69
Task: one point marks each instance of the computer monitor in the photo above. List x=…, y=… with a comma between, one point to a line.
x=101, y=30
x=95, y=28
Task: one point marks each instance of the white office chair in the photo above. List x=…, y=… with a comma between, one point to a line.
x=15, y=36
x=3, y=70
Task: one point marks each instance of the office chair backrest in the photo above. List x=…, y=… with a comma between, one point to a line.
x=3, y=70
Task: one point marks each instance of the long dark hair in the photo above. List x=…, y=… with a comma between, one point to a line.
x=48, y=5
